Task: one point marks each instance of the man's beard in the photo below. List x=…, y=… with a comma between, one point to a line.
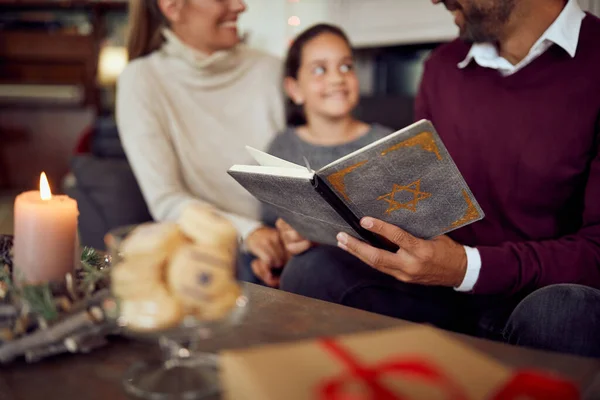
x=483, y=23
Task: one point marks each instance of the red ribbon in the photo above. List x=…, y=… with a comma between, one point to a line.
x=524, y=384
x=532, y=385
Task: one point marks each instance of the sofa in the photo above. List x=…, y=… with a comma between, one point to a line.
x=104, y=186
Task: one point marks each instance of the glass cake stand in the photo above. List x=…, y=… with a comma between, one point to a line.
x=183, y=372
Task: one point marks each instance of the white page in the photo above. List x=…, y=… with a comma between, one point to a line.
x=267, y=160
x=300, y=173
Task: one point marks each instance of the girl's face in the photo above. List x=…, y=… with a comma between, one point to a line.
x=207, y=25
x=326, y=85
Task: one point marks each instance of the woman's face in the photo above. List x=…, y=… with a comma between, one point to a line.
x=327, y=84
x=206, y=25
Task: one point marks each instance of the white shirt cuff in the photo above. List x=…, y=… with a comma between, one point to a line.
x=473, y=268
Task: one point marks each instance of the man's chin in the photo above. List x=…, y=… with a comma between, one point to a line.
x=469, y=35
x=466, y=37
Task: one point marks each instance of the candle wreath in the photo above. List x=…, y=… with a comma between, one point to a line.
x=39, y=321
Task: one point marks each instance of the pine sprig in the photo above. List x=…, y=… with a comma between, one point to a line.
x=40, y=300
x=5, y=277
x=93, y=271
x=6, y=283
x=91, y=257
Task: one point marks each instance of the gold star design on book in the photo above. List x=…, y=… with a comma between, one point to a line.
x=414, y=188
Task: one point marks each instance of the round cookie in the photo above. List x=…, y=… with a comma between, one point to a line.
x=221, y=305
x=156, y=239
x=206, y=227
x=155, y=312
x=195, y=274
x=137, y=277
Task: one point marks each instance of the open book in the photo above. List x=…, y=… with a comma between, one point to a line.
x=407, y=179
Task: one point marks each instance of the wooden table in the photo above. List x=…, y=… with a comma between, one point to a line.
x=274, y=316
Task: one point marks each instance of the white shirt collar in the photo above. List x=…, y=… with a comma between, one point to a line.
x=563, y=32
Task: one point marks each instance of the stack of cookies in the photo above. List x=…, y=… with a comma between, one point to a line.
x=171, y=270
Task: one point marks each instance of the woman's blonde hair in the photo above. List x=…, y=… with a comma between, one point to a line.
x=145, y=24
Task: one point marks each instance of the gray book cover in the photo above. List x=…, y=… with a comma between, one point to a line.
x=407, y=179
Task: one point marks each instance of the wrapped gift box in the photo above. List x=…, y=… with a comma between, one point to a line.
x=407, y=363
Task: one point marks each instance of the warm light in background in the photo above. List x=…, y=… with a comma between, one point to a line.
x=112, y=61
x=45, y=192
x=293, y=20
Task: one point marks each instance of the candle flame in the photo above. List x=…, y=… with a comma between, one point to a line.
x=45, y=192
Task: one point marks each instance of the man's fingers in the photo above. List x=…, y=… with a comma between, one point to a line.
x=376, y=258
x=372, y=256
x=398, y=236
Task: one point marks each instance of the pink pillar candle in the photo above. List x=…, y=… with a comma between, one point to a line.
x=45, y=236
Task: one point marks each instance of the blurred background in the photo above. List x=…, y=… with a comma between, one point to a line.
x=59, y=61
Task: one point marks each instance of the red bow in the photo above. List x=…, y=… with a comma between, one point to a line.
x=524, y=384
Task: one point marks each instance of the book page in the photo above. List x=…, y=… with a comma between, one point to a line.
x=267, y=160
x=301, y=173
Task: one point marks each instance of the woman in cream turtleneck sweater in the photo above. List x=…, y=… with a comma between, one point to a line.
x=189, y=102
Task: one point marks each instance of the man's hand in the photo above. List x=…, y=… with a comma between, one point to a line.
x=265, y=243
x=294, y=243
x=437, y=262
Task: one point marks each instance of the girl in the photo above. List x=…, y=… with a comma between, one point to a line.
x=323, y=91
x=190, y=99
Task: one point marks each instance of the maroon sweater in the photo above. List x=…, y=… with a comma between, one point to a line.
x=528, y=146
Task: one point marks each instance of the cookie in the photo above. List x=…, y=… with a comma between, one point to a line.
x=221, y=305
x=151, y=313
x=137, y=277
x=156, y=239
x=206, y=227
x=196, y=273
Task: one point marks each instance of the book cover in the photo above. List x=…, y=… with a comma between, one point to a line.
x=296, y=201
x=407, y=179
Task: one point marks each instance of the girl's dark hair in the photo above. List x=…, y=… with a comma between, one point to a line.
x=294, y=113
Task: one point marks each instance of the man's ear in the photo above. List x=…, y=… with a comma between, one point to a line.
x=293, y=90
x=171, y=9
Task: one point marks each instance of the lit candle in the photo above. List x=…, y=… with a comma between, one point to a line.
x=45, y=235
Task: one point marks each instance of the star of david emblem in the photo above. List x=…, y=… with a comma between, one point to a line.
x=414, y=188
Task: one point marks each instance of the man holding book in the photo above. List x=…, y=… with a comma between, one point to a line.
x=516, y=100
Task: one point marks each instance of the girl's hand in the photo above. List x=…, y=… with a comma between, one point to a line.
x=265, y=272
x=294, y=243
x=265, y=243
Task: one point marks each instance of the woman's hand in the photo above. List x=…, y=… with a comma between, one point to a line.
x=294, y=243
